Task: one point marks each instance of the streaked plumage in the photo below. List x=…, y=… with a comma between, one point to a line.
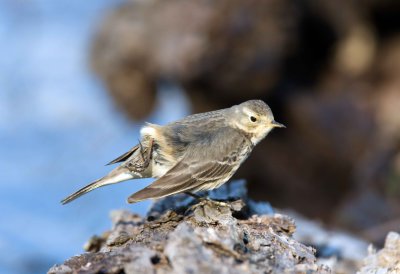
x=199, y=152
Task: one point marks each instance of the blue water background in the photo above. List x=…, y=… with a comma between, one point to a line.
x=58, y=127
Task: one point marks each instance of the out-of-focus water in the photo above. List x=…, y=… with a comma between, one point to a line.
x=58, y=128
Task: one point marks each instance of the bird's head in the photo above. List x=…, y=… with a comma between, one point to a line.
x=255, y=118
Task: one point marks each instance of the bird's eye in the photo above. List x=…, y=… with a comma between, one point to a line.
x=253, y=119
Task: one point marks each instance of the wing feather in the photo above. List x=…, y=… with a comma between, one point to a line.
x=183, y=177
x=124, y=156
x=207, y=163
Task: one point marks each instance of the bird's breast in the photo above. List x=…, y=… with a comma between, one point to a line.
x=161, y=161
x=159, y=170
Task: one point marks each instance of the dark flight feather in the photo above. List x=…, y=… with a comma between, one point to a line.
x=181, y=178
x=124, y=156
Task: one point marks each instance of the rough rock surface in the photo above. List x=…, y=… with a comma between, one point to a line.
x=182, y=235
x=386, y=260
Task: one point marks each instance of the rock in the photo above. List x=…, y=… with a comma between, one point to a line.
x=386, y=260
x=341, y=251
x=189, y=236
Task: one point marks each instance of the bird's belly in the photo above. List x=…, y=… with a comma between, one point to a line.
x=160, y=164
x=159, y=169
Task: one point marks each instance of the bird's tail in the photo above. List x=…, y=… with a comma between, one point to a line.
x=117, y=175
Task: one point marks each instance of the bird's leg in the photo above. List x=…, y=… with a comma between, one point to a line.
x=141, y=150
x=150, y=150
x=146, y=154
x=197, y=197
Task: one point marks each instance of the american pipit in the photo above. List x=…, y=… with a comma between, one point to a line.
x=199, y=152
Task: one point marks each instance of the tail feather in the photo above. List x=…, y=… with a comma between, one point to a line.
x=82, y=191
x=114, y=177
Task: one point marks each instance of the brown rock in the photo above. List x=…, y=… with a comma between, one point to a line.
x=197, y=238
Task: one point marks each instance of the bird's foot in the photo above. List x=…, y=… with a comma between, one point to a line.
x=210, y=211
x=214, y=203
x=205, y=200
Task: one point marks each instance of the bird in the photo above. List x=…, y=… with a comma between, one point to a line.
x=199, y=152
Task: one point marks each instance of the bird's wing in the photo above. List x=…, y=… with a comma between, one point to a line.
x=201, y=166
x=184, y=176
x=124, y=156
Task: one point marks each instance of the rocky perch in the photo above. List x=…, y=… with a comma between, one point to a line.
x=231, y=234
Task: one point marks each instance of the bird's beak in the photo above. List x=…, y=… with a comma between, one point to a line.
x=276, y=124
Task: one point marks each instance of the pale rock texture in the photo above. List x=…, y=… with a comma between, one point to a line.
x=386, y=260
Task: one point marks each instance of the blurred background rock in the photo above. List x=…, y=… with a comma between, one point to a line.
x=330, y=70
